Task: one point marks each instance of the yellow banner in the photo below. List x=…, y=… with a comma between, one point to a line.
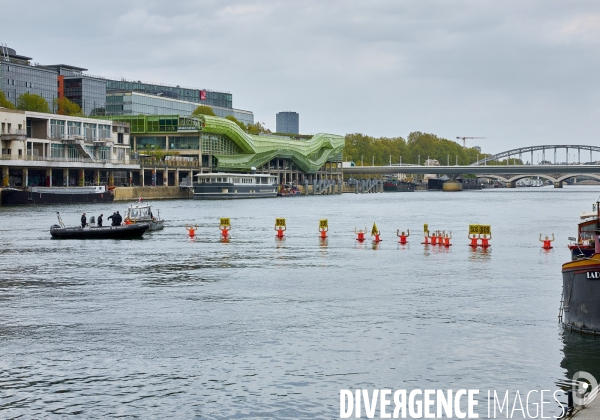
x=323, y=224
x=425, y=227
x=473, y=229
x=224, y=222
x=374, y=231
x=280, y=222
x=485, y=229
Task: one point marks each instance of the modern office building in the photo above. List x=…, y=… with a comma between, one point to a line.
x=189, y=145
x=18, y=76
x=136, y=103
x=288, y=122
x=200, y=96
x=86, y=91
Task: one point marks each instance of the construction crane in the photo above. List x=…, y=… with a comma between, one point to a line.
x=464, y=139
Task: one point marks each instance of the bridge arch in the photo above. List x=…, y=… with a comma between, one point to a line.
x=543, y=148
x=565, y=177
x=518, y=177
x=493, y=177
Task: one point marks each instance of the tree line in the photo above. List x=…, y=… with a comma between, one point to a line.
x=32, y=102
x=416, y=148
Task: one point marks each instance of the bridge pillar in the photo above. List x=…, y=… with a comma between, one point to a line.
x=558, y=184
x=511, y=184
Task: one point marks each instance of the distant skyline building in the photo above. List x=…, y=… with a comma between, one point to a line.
x=288, y=122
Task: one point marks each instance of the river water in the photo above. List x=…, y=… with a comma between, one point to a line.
x=167, y=326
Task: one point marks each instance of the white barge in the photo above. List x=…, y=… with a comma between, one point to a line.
x=229, y=186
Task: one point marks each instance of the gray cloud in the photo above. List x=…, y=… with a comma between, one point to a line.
x=519, y=73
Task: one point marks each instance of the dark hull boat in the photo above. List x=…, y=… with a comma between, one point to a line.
x=105, y=232
x=398, y=186
x=580, y=306
x=581, y=294
x=56, y=195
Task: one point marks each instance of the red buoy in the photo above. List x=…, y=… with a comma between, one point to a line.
x=485, y=242
x=279, y=234
x=360, y=236
x=191, y=230
x=547, y=241
x=474, y=243
x=377, y=238
x=224, y=232
x=403, y=236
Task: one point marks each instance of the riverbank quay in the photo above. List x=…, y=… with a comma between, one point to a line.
x=589, y=412
x=151, y=193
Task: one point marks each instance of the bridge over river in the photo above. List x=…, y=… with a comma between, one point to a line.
x=510, y=174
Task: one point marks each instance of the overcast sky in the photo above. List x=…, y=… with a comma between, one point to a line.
x=517, y=72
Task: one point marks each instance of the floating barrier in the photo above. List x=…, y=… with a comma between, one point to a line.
x=280, y=227
x=403, y=236
x=225, y=227
x=434, y=239
x=480, y=232
x=547, y=242
x=485, y=241
x=360, y=235
x=323, y=228
x=376, y=233
x=191, y=230
x=446, y=239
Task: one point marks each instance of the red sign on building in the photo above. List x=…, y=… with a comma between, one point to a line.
x=203, y=95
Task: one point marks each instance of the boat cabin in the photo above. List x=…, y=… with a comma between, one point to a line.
x=236, y=179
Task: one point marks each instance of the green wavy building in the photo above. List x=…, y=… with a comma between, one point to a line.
x=183, y=146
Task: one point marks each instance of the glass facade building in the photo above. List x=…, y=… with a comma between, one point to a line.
x=88, y=93
x=18, y=78
x=288, y=122
x=135, y=103
x=200, y=96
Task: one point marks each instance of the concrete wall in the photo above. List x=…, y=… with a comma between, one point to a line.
x=134, y=193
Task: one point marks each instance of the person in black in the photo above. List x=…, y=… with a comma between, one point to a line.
x=116, y=219
x=100, y=220
x=83, y=220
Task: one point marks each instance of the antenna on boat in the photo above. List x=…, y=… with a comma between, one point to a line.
x=60, y=222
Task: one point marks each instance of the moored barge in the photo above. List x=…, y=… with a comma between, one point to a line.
x=228, y=186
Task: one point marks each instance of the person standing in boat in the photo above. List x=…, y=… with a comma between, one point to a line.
x=100, y=220
x=83, y=220
x=116, y=219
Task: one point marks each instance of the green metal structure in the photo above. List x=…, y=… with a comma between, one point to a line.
x=309, y=155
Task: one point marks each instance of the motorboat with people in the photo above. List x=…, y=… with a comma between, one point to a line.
x=140, y=212
x=134, y=231
x=580, y=304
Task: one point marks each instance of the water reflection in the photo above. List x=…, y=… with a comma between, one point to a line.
x=480, y=254
x=581, y=352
